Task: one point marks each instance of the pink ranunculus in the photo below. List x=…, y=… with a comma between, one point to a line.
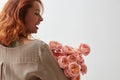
x=73, y=69
x=63, y=61
x=66, y=73
x=84, y=49
x=68, y=50
x=76, y=77
x=72, y=58
x=55, y=45
x=80, y=59
x=77, y=51
x=56, y=48
x=57, y=53
x=83, y=69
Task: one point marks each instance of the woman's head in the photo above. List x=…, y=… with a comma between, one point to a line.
x=33, y=18
x=19, y=19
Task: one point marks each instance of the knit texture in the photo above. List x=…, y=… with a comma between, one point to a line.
x=31, y=61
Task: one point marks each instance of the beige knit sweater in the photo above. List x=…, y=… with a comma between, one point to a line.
x=31, y=61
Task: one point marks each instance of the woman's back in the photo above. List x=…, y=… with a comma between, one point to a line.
x=31, y=61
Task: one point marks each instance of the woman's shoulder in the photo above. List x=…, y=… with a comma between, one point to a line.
x=39, y=43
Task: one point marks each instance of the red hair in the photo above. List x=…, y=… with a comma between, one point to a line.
x=12, y=20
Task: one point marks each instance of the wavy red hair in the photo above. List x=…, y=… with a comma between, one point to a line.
x=12, y=20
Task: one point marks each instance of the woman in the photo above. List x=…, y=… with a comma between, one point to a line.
x=20, y=57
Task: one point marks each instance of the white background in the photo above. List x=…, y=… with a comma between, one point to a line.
x=95, y=22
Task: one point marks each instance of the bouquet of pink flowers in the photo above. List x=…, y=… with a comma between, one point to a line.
x=70, y=59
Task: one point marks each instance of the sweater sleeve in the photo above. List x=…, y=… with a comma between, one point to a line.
x=52, y=69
